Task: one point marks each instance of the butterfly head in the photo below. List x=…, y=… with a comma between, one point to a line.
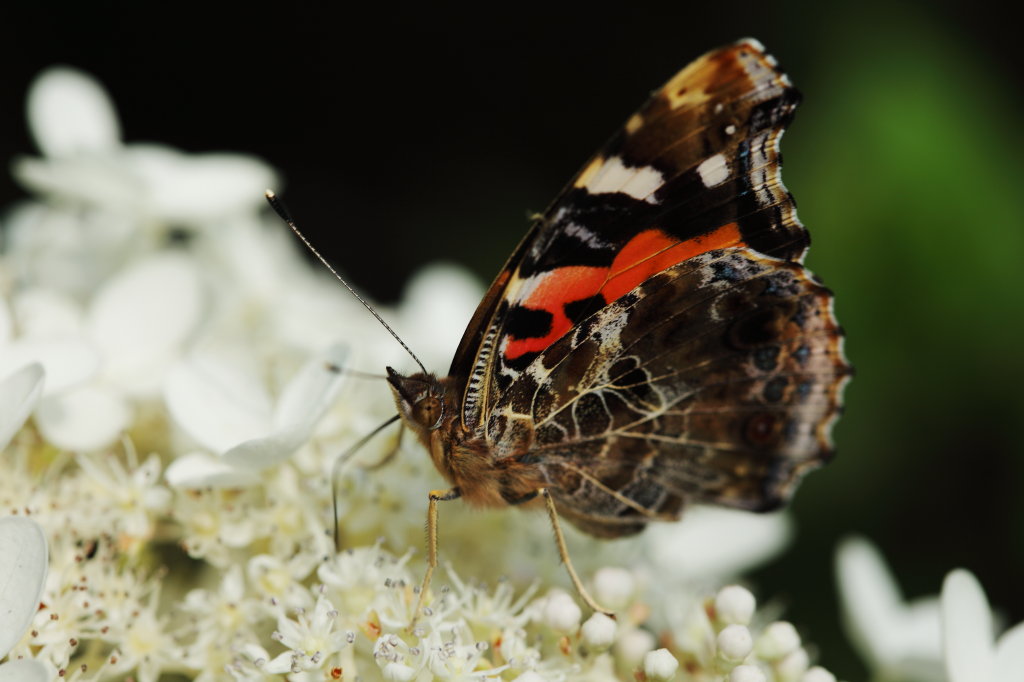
x=420, y=399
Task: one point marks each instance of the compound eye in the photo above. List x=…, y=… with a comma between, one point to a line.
x=428, y=412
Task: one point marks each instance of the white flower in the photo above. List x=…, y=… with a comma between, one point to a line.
x=897, y=639
x=131, y=493
x=231, y=414
x=23, y=565
x=953, y=634
x=103, y=358
x=972, y=654
x=75, y=125
x=313, y=640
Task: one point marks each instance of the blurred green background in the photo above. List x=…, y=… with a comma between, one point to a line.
x=408, y=135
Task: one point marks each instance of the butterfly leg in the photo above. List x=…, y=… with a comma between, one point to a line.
x=390, y=455
x=563, y=552
x=434, y=497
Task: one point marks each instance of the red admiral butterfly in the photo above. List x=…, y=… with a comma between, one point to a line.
x=654, y=341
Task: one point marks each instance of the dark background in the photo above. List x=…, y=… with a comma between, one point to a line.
x=409, y=135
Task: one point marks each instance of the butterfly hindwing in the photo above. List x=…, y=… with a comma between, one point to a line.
x=716, y=380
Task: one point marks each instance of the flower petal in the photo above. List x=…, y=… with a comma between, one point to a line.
x=23, y=670
x=1010, y=655
x=729, y=541
x=197, y=188
x=90, y=179
x=69, y=112
x=67, y=361
x=260, y=453
x=966, y=629
x=312, y=390
x=44, y=312
x=84, y=418
x=23, y=564
x=141, y=317
x=438, y=303
x=870, y=599
x=216, y=403
x=6, y=324
x=199, y=470
x=897, y=639
x=19, y=394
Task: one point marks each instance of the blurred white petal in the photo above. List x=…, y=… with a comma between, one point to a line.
x=192, y=187
x=141, y=318
x=67, y=361
x=19, y=393
x=65, y=248
x=312, y=390
x=23, y=671
x=438, y=304
x=23, y=565
x=83, y=418
x=92, y=180
x=1009, y=661
x=966, y=629
x=46, y=312
x=6, y=323
x=216, y=403
x=199, y=470
x=260, y=453
x=69, y=112
x=715, y=544
x=902, y=639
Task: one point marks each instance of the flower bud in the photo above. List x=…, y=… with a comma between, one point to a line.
x=734, y=605
x=614, y=587
x=818, y=674
x=735, y=643
x=660, y=665
x=633, y=645
x=747, y=673
x=598, y=632
x=561, y=613
x=777, y=640
x=792, y=666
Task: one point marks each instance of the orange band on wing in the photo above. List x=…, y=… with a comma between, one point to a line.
x=652, y=251
x=643, y=256
x=560, y=286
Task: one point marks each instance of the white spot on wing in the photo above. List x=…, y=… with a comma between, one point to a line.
x=615, y=176
x=713, y=171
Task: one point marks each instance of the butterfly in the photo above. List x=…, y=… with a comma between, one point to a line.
x=654, y=341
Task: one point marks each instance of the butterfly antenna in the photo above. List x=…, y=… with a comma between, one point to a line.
x=336, y=469
x=278, y=206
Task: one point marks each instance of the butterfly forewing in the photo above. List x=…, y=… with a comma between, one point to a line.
x=696, y=168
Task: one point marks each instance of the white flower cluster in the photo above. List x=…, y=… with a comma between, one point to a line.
x=149, y=304
x=174, y=392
